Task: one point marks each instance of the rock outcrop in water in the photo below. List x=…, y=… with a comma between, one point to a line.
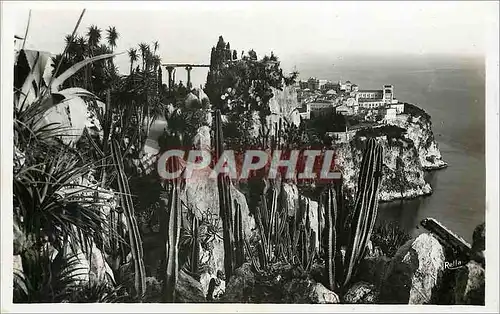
x=419, y=130
x=410, y=150
x=403, y=174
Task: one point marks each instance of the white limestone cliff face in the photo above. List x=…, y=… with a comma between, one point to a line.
x=284, y=105
x=402, y=177
x=315, y=213
x=419, y=130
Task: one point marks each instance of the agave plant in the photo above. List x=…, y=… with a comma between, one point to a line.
x=44, y=279
x=46, y=195
x=50, y=201
x=39, y=93
x=47, y=279
x=389, y=237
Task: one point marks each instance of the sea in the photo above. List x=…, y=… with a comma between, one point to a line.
x=452, y=90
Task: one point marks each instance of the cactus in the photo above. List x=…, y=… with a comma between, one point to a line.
x=170, y=227
x=271, y=220
x=128, y=207
x=223, y=186
x=330, y=204
x=195, y=247
x=365, y=210
x=351, y=230
x=306, y=237
x=238, y=236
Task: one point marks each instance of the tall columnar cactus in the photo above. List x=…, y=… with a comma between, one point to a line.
x=366, y=204
x=195, y=247
x=238, y=235
x=223, y=185
x=128, y=207
x=271, y=221
x=171, y=227
x=331, y=213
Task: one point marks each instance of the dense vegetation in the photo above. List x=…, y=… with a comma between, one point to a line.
x=391, y=131
x=90, y=196
x=61, y=185
x=415, y=111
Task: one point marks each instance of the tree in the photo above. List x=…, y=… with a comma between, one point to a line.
x=132, y=54
x=218, y=59
x=252, y=55
x=70, y=42
x=94, y=37
x=156, y=45
x=220, y=44
x=81, y=48
x=144, y=49
x=112, y=36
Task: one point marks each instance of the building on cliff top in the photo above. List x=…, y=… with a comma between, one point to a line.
x=370, y=99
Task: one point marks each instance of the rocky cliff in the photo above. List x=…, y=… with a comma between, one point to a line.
x=403, y=174
x=284, y=104
x=419, y=130
x=410, y=149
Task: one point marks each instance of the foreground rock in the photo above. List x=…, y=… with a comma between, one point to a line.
x=292, y=200
x=201, y=196
x=188, y=289
x=373, y=270
x=414, y=272
x=362, y=293
x=308, y=291
x=478, y=237
x=478, y=240
x=213, y=285
x=240, y=285
x=470, y=284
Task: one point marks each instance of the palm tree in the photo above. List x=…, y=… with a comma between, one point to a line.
x=144, y=48
x=69, y=41
x=81, y=48
x=94, y=36
x=149, y=60
x=132, y=54
x=112, y=37
x=156, y=45
x=102, y=49
x=156, y=61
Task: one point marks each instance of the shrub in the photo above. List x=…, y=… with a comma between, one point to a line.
x=389, y=238
x=391, y=131
x=413, y=110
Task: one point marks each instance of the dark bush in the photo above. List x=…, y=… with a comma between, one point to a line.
x=389, y=237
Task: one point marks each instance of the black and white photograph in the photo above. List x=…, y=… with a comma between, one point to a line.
x=249, y=156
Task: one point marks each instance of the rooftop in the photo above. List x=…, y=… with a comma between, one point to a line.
x=370, y=99
x=370, y=90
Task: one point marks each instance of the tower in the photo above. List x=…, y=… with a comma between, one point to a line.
x=388, y=93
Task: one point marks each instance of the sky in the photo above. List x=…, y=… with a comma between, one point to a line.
x=294, y=31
